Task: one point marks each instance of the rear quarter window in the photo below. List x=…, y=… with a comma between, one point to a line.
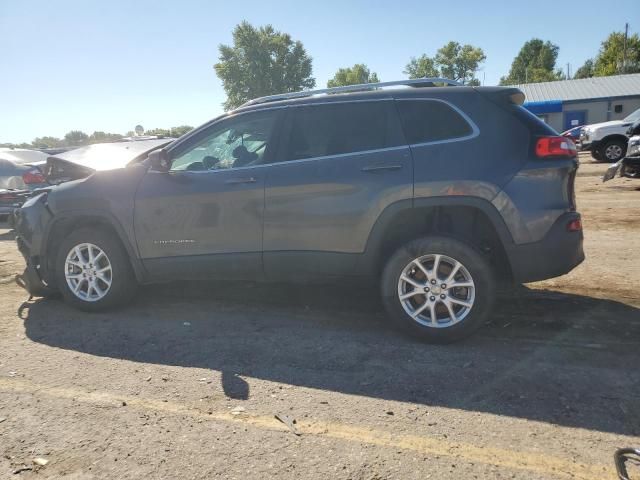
x=425, y=121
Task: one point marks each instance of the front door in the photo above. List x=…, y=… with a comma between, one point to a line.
x=203, y=218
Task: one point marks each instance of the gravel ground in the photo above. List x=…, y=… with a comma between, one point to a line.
x=187, y=382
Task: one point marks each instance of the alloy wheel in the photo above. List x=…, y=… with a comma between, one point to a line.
x=88, y=272
x=436, y=291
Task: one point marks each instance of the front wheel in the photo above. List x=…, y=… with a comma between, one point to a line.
x=93, y=271
x=437, y=288
x=612, y=151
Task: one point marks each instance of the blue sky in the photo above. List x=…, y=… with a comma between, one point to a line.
x=109, y=65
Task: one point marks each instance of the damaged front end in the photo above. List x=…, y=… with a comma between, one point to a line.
x=31, y=223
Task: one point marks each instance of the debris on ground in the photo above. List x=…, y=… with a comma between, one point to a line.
x=288, y=421
x=24, y=468
x=3, y=419
x=238, y=410
x=41, y=462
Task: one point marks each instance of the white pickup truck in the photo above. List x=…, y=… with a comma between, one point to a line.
x=607, y=141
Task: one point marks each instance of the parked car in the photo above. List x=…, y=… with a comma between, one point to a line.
x=573, y=134
x=629, y=166
x=431, y=192
x=607, y=141
x=10, y=200
x=19, y=168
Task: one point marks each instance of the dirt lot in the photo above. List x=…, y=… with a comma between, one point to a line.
x=185, y=383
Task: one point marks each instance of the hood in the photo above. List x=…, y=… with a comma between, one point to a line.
x=612, y=123
x=82, y=162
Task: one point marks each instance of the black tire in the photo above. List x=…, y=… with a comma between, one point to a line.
x=617, y=145
x=123, y=282
x=476, y=265
x=595, y=154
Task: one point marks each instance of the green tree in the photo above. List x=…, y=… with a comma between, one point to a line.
x=355, y=75
x=47, y=142
x=102, y=137
x=609, y=60
x=76, y=138
x=459, y=62
x=160, y=132
x=262, y=61
x=536, y=62
x=181, y=130
x=586, y=70
x=421, y=67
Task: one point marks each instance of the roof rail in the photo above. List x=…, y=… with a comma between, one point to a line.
x=418, y=82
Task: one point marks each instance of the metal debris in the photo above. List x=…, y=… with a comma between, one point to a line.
x=288, y=421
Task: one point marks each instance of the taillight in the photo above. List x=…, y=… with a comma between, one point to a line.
x=574, y=225
x=33, y=176
x=555, y=147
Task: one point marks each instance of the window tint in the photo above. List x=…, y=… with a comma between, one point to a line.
x=431, y=121
x=232, y=143
x=333, y=129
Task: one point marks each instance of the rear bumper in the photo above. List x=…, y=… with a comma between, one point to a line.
x=559, y=252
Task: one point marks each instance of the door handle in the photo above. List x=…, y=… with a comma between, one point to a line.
x=236, y=181
x=380, y=168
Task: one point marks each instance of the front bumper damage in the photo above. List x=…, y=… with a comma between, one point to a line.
x=31, y=223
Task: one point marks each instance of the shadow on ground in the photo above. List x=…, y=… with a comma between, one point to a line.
x=546, y=356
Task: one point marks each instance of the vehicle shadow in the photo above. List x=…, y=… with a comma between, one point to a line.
x=546, y=356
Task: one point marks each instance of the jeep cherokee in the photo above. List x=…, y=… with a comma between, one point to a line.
x=438, y=193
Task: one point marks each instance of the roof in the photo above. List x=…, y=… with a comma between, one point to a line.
x=583, y=88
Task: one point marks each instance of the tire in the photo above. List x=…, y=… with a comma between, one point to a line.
x=595, y=154
x=612, y=151
x=100, y=296
x=480, y=294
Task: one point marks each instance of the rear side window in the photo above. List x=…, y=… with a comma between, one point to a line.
x=341, y=128
x=426, y=121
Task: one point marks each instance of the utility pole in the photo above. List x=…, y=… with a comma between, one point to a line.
x=624, y=48
x=568, y=72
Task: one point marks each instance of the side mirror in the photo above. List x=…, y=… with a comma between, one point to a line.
x=159, y=160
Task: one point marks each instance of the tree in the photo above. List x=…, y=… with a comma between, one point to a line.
x=454, y=61
x=181, y=130
x=262, y=61
x=46, y=142
x=609, y=60
x=586, y=70
x=536, y=62
x=421, y=67
x=102, y=137
x=76, y=137
x=355, y=75
x=160, y=132
x=459, y=62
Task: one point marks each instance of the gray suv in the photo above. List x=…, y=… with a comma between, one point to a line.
x=437, y=193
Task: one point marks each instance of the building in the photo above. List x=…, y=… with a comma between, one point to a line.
x=569, y=103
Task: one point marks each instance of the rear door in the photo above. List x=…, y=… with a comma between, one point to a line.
x=340, y=165
x=204, y=217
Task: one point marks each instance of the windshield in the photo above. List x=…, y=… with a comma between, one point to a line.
x=633, y=117
x=106, y=156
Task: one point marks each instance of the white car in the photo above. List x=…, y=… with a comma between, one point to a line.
x=607, y=141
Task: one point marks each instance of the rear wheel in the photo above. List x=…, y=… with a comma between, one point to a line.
x=438, y=288
x=93, y=271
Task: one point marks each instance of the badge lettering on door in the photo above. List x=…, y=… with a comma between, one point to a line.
x=178, y=241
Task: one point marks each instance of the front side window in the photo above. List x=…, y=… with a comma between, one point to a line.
x=425, y=121
x=341, y=128
x=237, y=142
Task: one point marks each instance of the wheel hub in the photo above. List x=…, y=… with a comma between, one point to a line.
x=436, y=290
x=88, y=272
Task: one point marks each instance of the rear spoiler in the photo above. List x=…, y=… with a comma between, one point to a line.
x=504, y=95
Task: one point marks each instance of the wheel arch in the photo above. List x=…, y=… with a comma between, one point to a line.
x=614, y=136
x=63, y=225
x=477, y=223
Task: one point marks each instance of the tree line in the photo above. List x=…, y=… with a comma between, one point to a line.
x=262, y=61
x=77, y=138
